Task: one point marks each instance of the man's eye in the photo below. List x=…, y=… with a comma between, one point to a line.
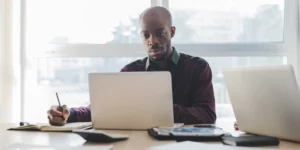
x=146, y=35
x=160, y=34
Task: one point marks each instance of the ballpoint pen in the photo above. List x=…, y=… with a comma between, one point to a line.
x=59, y=105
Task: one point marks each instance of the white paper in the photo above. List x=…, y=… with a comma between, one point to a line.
x=187, y=145
x=49, y=147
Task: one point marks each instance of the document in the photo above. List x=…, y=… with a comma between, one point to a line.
x=18, y=146
x=188, y=145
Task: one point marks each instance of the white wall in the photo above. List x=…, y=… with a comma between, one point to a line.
x=6, y=76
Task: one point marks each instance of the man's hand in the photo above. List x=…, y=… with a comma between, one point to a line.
x=58, y=116
x=236, y=127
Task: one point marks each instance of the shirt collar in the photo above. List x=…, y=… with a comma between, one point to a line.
x=174, y=58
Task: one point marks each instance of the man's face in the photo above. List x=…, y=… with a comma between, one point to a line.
x=156, y=34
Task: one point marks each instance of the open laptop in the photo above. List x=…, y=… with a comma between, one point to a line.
x=265, y=100
x=131, y=100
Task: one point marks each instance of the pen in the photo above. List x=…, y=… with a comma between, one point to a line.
x=24, y=124
x=59, y=105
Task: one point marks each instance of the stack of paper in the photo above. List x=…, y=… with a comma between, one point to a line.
x=40, y=147
x=187, y=145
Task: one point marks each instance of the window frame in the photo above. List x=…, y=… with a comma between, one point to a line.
x=204, y=49
x=289, y=46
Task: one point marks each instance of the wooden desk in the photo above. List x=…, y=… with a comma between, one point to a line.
x=138, y=140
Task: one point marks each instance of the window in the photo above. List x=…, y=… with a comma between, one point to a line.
x=219, y=21
x=82, y=21
x=67, y=39
x=66, y=22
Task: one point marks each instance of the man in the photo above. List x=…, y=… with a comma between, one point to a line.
x=193, y=94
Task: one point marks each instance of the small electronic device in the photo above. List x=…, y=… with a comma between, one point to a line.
x=187, y=133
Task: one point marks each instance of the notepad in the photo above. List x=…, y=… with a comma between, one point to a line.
x=21, y=146
x=47, y=127
x=189, y=145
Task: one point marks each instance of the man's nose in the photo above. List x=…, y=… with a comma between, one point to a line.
x=153, y=40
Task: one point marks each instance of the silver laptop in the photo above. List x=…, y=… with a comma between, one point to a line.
x=265, y=100
x=131, y=100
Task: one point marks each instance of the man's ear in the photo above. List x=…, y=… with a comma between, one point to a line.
x=173, y=30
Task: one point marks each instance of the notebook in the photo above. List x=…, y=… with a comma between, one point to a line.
x=47, y=127
x=21, y=146
x=190, y=145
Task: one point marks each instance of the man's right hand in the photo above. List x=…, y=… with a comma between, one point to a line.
x=58, y=116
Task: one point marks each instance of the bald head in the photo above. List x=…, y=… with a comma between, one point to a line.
x=157, y=31
x=157, y=13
